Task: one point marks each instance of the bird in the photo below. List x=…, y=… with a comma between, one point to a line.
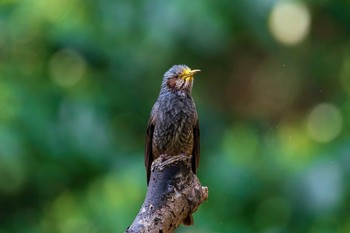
x=173, y=126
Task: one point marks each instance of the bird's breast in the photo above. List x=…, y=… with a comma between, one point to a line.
x=173, y=132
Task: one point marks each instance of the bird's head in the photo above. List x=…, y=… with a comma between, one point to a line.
x=179, y=78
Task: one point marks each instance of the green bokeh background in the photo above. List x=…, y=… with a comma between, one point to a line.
x=78, y=79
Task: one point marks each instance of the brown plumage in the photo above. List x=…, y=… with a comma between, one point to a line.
x=173, y=127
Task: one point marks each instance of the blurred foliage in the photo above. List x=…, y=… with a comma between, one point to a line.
x=78, y=79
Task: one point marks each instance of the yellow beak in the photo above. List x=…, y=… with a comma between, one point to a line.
x=194, y=71
x=190, y=74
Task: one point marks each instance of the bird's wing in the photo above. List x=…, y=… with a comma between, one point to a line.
x=149, y=136
x=196, y=147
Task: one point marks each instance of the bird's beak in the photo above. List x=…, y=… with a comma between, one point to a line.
x=190, y=74
x=193, y=72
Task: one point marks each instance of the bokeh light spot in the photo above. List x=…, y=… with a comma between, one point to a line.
x=324, y=123
x=68, y=212
x=67, y=67
x=297, y=149
x=325, y=196
x=289, y=22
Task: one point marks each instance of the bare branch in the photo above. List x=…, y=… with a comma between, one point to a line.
x=174, y=193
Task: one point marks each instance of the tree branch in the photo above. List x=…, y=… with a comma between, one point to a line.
x=174, y=193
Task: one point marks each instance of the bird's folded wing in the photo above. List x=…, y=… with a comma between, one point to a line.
x=149, y=135
x=196, y=147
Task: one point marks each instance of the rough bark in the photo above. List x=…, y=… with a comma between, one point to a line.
x=174, y=192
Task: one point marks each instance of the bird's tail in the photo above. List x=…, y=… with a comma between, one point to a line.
x=188, y=221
